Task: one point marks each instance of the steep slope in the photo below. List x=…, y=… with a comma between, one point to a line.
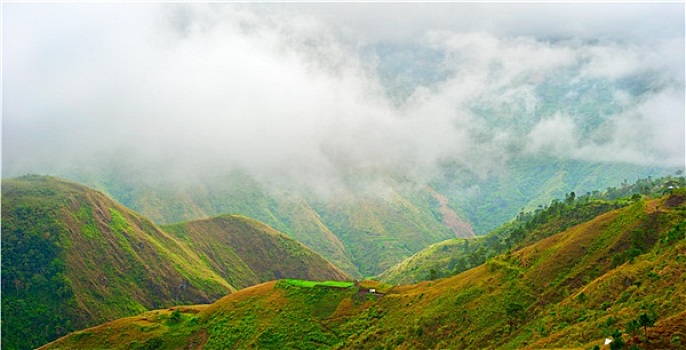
x=526, y=182
x=457, y=203
x=570, y=290
x=246, y=252
x=236, y=194
x=72, y=257
x=363, y=231
x=430, y=263
x=456, y=255
x=303, y=223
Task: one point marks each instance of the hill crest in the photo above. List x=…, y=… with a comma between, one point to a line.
x=73, y=257
x=572, y=289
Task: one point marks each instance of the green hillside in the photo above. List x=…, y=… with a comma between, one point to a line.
x=362, y=231
x=527, y=182
x=380, y=232
x=456, y=255
x=367, y=229
x=246, y=252
x=72, y=258
x=621, y=273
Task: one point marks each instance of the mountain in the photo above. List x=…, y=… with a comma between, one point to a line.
x=246, y=252
x=363, y=231
x=73, y=257
x=367, y=228
x=619, y=274
x=456, y=255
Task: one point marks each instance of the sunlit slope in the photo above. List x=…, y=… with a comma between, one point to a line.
x=570, y=290
x=452, y=256
x=233, y=194
x=247, y=252
x=363, y=231
x=72, y=257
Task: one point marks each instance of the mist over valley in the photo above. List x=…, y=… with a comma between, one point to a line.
x=402, y=142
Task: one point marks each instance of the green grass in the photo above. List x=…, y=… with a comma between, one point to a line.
x=311, y=284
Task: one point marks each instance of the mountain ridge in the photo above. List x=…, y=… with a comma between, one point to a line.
x=73, y=257
x=571, y=289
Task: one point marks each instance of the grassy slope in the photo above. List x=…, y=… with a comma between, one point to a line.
x=303, y=223
x=72, y=257
x=361, y=234
x=439, y=257
x=456, y=255
x=246, y=252
x=625, y=262
x=390, y=233
x=236, y=194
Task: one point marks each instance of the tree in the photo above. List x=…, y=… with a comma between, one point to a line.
x=633, y=327
x=617, y=341
x=175, y=317
x=646, y=321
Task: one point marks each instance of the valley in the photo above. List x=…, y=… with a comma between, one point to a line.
x=332, y=175
x=570, y=290
x=107, y=262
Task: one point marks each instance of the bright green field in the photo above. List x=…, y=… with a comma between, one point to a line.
x=311, y=284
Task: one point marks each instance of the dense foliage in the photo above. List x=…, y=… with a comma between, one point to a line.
x=36, y=294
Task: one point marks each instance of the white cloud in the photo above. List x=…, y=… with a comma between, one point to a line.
x=283, y=92
x=557, y=136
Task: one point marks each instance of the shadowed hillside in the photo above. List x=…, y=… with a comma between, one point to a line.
x=570, y=290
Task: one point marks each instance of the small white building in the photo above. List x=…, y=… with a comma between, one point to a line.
x=372, y=291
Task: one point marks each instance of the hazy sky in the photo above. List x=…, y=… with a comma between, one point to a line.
x=307, y=92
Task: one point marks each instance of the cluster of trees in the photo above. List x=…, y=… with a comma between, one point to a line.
x=633, y=328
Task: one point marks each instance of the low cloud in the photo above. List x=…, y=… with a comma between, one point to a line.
x=284, y=94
